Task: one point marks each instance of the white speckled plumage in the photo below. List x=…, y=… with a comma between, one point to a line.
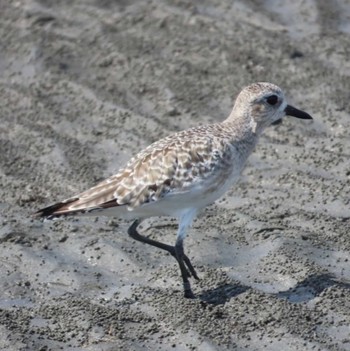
x=182, y=173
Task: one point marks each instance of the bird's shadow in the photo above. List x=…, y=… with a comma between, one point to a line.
x=222, y=293
x=312, y=287
x=303, y=291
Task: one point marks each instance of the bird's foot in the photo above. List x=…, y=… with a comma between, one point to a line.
x=188, y=294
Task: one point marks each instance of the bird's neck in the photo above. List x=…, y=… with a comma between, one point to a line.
x=243, y=133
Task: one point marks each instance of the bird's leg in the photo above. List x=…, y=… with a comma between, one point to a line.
x=132, y=231
x=185, y=221
x=179, y=249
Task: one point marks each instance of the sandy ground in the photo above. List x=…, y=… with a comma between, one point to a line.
x=86, y=84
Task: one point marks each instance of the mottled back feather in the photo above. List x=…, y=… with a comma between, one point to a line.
x=170, y=165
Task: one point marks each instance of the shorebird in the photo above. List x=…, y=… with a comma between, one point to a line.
x=179, y=175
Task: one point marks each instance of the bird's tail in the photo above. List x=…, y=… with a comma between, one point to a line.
x=57, y=210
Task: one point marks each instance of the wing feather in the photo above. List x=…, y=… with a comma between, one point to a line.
x=172, y=164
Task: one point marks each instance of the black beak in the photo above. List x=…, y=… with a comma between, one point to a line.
x=292, y=111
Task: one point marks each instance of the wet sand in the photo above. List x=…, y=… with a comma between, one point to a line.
x=84, y=85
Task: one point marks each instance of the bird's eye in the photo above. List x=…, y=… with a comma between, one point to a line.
x=272, y=100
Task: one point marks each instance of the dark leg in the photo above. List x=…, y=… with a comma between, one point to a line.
x=180, y=255
x=184, y=262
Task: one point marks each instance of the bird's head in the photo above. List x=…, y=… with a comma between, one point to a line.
x=262, y=104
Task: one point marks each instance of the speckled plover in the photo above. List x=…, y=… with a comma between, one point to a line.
x=182, y=173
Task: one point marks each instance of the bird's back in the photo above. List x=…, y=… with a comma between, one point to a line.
x=196, y=162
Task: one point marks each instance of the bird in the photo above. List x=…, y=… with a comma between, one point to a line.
x=181, y=174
